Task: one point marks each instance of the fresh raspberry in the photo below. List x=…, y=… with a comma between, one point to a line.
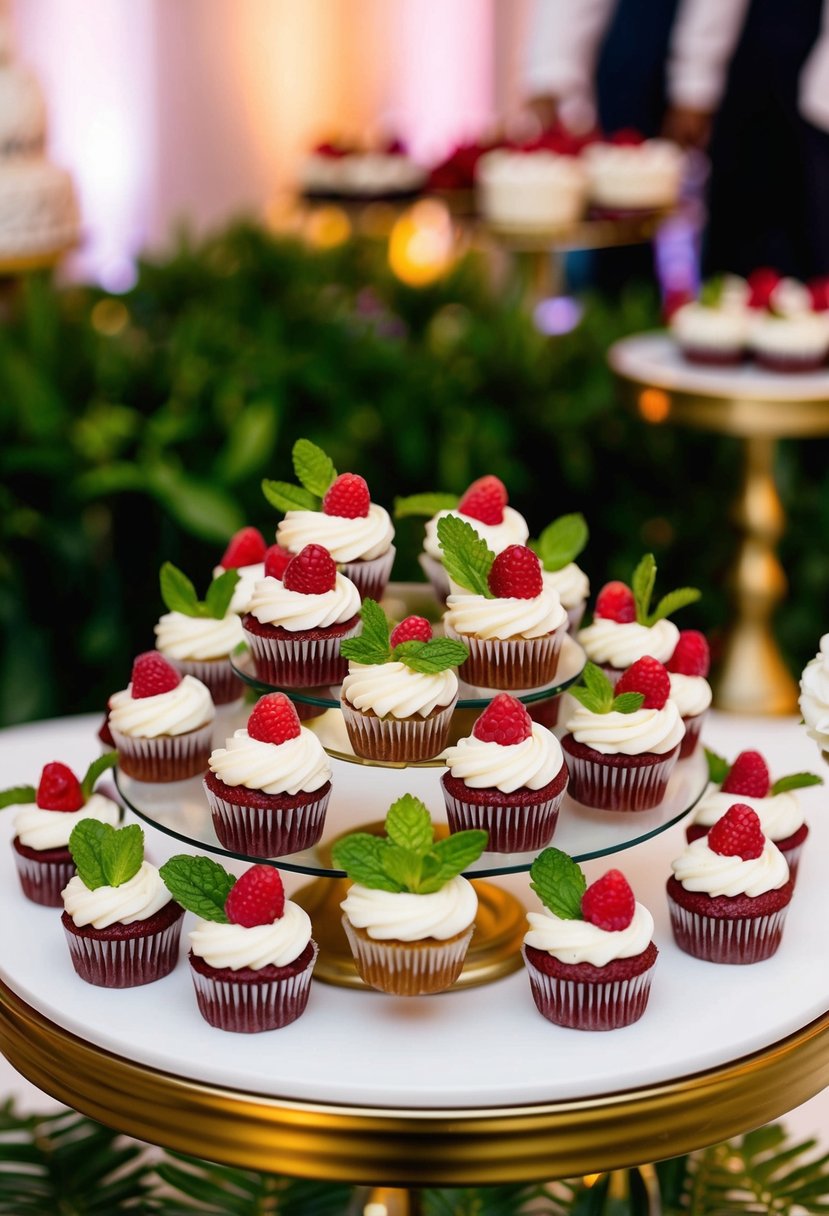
x=59, y=789
x=691, y=655
x=647, y=676
x=504, y=721
x=515, y=574
x=627, y=137
x=246, y=548
x=312, y=572
x=276, y=559
x=274, y=719
x=819, y=292
x=412, y=629
x=615, y=602
x=762, y=283
x=485, y=500
x=738, y=833
x=256, y=898
x=105, y=734
x=151, y=675
x=748, y=775
x=609, y=903
x=347, y=496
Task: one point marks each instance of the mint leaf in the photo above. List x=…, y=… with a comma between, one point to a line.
x=403, y=866
x=672, y=602
x=424, y=504
x=718, y=767
x=372, y=642
x=795, y=781
x=95, y=770
x=628, y=702
x=559, y=883
x=562, y=541
x=86, y=844
x=439, y=654
x=454, y=855
x=644, y=579
x=409, y=824
x=599, y=684
x=467, y=558
x=590, y=701
x=313, y=467
x=361, y=856
x=178, y=592
x=18, y=795
x=121, y=853
x=711, y=292
x=199, y=884
x=219, y=594
x=287, y=497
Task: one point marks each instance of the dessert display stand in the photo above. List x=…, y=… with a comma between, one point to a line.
x=759, y=407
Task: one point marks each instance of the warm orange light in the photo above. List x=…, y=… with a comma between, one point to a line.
x=654, y=405
x=327, y=227
x=421, y=244
x=590, y=1179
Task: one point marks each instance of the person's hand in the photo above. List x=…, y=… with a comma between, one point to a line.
x=544, y=108
x=687, y=127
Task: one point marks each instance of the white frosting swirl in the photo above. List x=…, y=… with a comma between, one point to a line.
x=577, y=941
x=636, y=176
x=401, y=916
x=39, y=829
x=347, y=540
x=645, y=730
x=621, y=643
x=394, y=690
x=692, y=694
x=139, y=898
x=235, y=946
x=505, y=618
x=780, y=814
x=249, y=576
x=512, y=530
x=198, y=637
x=814, y=695
x=176, y=712
x=530, y=764
x=699, y=868
x=273, y=604
x=696, y=325
x=570, y=584
x=275, y=768
x=806, y=334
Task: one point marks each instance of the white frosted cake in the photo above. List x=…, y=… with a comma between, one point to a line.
x=360, y=174
x=537, y=189
x=634, y=177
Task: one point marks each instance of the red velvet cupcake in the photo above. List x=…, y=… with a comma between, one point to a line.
x=687, y=667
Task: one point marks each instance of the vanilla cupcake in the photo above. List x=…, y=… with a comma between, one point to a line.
x=710, y=335
x=198, y=637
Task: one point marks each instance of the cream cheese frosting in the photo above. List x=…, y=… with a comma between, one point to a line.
x=570, y=584
x=298, y=764
x=249, y=576
x=530, y=764
x=237, y=946
x=699, y=868
x=635, y=176
x=692, y=694
x=182, y=709
x=39, y=829
x=578, y=941
x=505, y=618
x=645, y=730
x=780, y=815
x=198, y=637
x=273, y=604
x=814, y=695
x=512, y=530
x=697, y=325
x=347, y=540
x=803, y=334
x=402, y=916
x=621, y=643
x=139, y=898
x=394, y=690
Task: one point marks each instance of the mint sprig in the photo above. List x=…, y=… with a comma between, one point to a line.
x=795, y=781
x=105, y=856
x=424, y=504
x=18, y=795
x=718, y=767
x=643, y=583
x=314, y=470
x=467, y=558
x=179, y=594
x=372, y=646
x=561, y=541
x=408, y=858
x=96, y=769
x=559, y=883
x=436, y=655
x=199, y=884
x=287, y=497
x=711, y=292
x=596, y=693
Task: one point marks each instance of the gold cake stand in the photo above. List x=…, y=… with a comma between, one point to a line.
x=759, y=408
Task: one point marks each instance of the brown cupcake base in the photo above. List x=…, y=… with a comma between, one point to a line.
x=43, y=873
x=298, y=660
x=165, y=758
x=583, y=997
x=125, y=956
x=408, y=968
x=250, y=1001
x=522, y=821
x=217, y=674
x=728, y=929
x=509, y=663
x=266, y=825
x=398, y=740
x=617, y=782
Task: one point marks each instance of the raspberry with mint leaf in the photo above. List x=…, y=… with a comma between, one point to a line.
x=609, y=902
x=648, y=676
x=59, y=789
x=485, y=501
x=256, y=898
x=615, y=602
x=749, y=776
x=347, y=497
x=516, y=574
x=412, y=629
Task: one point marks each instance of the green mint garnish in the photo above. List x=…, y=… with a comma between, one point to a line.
x=718, y=767
x=179, y=594
x=711, y=292
x=95, y=770
x=314, y=467
x=559, y=883
x=199, y=885
x=644, y=580
x=18, y=795
x=408, y=858
x=287, y=497
x=596, y=693
x=436, y=655
x=372, y=643
x=795, y=781
x=105, y=856
x=628, y=702
x=424, y=504
x=561, y=541
x=467, y=558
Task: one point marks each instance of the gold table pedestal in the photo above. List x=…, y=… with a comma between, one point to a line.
x=758, y=408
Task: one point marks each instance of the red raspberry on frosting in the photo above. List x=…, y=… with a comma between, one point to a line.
x=738, y=833
x=312, y=572
x=748, y=775
x=485, y=500
x=609, y=902
x=615, y=602
x=59, y=789
x=649, y=677
x=152, y=675
x=412, y=629
x=691, y=655
x=246, y=548
x=504, y=721
x=347, y=496
x=276, y=559
x=274, y=719
x=762, y=283
x=515, y=574
x=256, y=898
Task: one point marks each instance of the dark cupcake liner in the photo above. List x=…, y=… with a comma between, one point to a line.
x=251, y=1005
x=165, y=758
x=299, y=662
x=43, y=877
x=509, y=663
x=398, y=740
x=616, y=782
x=584, y=1005
x=743, y=940
x=220, y=678
x=693, y=729
x=131, y=955
x=370, y=577
x=269, y=831
x=514, y=826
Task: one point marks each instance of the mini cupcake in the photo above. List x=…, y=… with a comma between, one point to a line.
x=508, y=778
x=714, y=330
x=251, y=954
x=729, y=892
x=295, y=625
x=512, y=625
x=337, y=513
x=162, y=723
x=787, y=336
x=625, y=629
x=401, y=689
x=622, y=744
x=410, y=915
x=687, y=667
x=777, y=806
x=557, y=547
x=120, y=923
x=269, y=786
x=245, y=554
x=629, y=175
x=589, y=954
x=199, y=636
x=814, y=697
x=44, y=822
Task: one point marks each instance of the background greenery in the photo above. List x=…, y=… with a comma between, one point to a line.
x=137, y=428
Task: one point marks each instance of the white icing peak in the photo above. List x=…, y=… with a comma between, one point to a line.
x=257, y=946
x=780, y=815
x=570, y=584
x=347, y=540
x=394, y=690
x=621, y=643
x=814, y=695
x=139, y=898
x=644, y=730
x=403, y=916
x=273, y=604
x=39, y=829
x=579, y=941
x=179, y=636
x=184, y=708
x=692, y=694
x=699, y=868
x=481, y=617
x=298, y=764
x=512, y=530
x=530, y=764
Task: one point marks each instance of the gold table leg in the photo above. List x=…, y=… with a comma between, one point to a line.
x=388, y=1201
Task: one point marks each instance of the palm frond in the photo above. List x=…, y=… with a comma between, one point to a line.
x=191, y=1186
